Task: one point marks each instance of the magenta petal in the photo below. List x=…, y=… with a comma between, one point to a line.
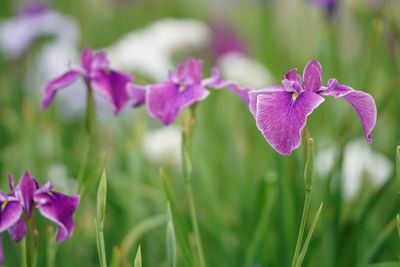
x=254, y=93
x=10, y=213
x=87, y=59
x=281, y=119
x=100, y=61
x=216, y=82
x=293, y=76
x=112, y=84
x=194, y=70
x=60, y=209
x=363, y=103
x=137, y=94
x=190, y=95
x=162, y=102
x=312, y=76
x=18, y=230
x=52, y=86
x=25, y=191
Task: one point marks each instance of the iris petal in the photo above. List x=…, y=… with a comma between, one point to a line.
x=280, y=119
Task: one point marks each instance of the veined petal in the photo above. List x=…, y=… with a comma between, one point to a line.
x=51, y=87
x=254, y=93
x=112, y=84
x=10, y=213
x=137, y=94
x=312, y=76
x=25, y=191
x=363, y=103
x=18, y=230
x=60, y=209
x=162, y=102
x=281, y=119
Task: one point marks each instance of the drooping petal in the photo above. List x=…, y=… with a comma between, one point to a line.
x=10, y=213
x=112, y=84
x=216, y=82
x=254, y=93
x=25, y=191
x=281, y=118
x=162, y=102
x=312, y=76
x=18, y=230
x=363, y=103
x=137, y=94
x=60, y=209
x=52, y=86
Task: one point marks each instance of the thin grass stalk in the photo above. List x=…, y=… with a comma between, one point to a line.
x=99, y=221
x=51, y=248
x=187, y=141
x=308, y=174
x=308, y=238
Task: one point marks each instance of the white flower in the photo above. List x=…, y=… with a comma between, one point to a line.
x=164, y=145
x=240, y=68
x=150, y=50
x=359, y=161
x=17, y=33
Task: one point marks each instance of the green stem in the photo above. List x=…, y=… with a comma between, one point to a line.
x=187, y=138
x=32, y=243
x=308, y=175
x=24, y=256
x=100, y=243
x=90, y=111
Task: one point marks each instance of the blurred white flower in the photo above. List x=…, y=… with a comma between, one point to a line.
x=359, y=161
x=18, y=33
x=150, y=50
x=325, y=161
x=244, y=70
x=164, y=145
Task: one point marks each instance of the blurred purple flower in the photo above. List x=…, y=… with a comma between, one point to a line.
x=225, y=40
x=184, y=87
x=281, y=111
x=97, y=75
x=329, y=5
x=31, y=22
x=26, y=196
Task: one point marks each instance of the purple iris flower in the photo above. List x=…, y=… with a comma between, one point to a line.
x=27, y=196
x=281, y=111
x=184, y=87
x=329, y=5
x=95, y=71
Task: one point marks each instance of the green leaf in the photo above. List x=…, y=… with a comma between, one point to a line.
x=138, y=258
x=171, y=242
x=102, y=199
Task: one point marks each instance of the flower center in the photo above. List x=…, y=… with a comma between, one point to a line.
x=4, y=205
x=182, y=87
x=294, y=96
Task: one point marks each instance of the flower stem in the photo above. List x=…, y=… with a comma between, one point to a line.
x=187, y=138
x=31, y=243
x=90, y=111
x=308, y=175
